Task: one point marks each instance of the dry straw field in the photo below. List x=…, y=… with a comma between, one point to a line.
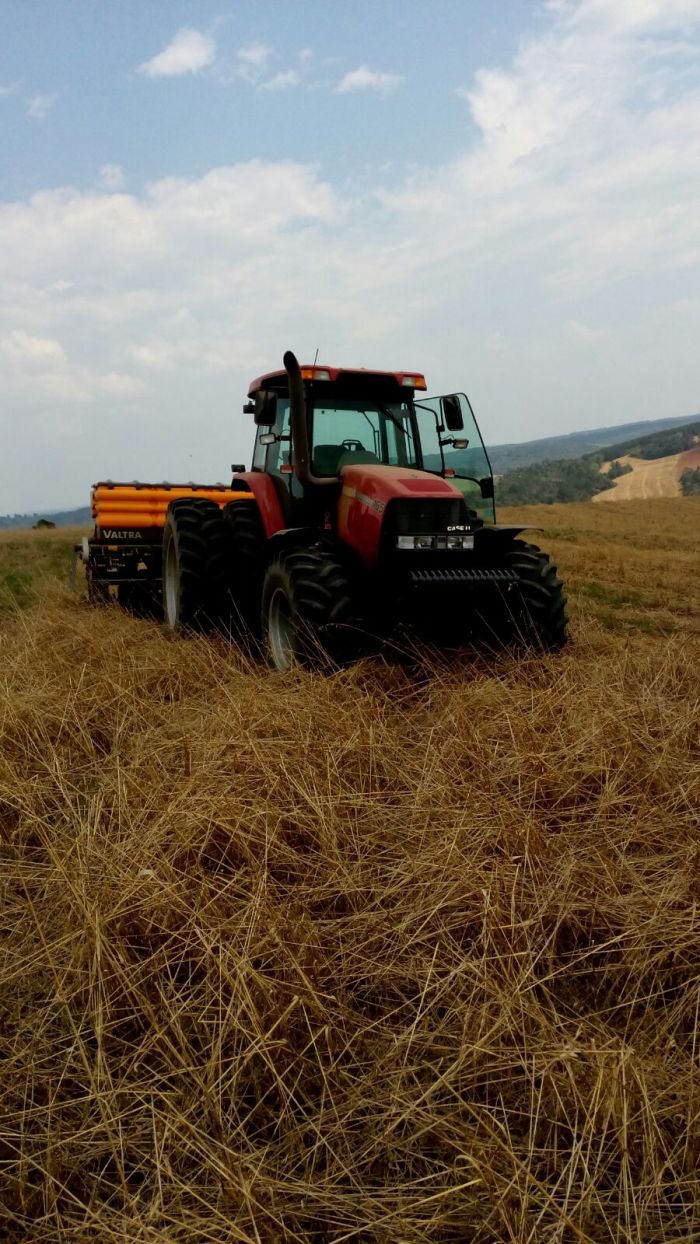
x=395, y=955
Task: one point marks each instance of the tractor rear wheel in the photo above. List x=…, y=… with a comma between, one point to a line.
x=538, y=618
x=247, y=550
x=195, y=564
x=306, y=608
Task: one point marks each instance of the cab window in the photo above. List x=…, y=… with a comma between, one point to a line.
x=350, y=430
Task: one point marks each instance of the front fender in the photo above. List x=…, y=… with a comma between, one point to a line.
x=306, y=537
x=295, y=537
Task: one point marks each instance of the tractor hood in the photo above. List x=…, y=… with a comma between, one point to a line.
x=366, y=492
x=382, y=483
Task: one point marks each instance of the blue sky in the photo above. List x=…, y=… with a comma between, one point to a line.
x=505, y=196
x=87, y=54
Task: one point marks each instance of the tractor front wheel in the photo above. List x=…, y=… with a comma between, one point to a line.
x=539, y=617
x=306, y=609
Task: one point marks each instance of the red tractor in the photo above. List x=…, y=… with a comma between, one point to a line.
x=368, y=507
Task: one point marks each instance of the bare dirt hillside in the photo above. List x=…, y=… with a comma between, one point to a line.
x=404, y=953
x=650, y=478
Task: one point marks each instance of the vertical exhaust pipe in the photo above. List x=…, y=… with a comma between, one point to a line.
x=301, y=456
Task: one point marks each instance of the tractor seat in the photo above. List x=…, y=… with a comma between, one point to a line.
x=326, y=459
x=357, y=457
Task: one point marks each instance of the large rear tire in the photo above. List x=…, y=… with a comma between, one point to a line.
x=195, y=565
x=248, y=552
x=306, y=610
x=537, y=615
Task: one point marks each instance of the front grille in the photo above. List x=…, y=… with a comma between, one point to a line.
x=462, y=574
x=421, y=516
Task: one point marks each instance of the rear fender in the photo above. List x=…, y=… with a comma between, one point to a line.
x=265, y=495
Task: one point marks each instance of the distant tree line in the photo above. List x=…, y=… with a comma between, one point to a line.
x=658, y=445
x=618, y=468
x=690, y=483
x=545, y=483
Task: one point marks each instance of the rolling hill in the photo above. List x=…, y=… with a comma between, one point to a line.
x=80, y=517
x=578, y=444
x=641, y=468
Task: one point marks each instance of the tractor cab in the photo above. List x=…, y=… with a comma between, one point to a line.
x=316, y=428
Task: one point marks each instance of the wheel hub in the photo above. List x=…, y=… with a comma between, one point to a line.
x=170, y=586
x=280, y=629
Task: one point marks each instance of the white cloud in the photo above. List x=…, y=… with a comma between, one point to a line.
x=120, y=384
x=111, y=177
x=188, y=52
x=8, y=88
x=365, y=79
x=255, y=54
x=39, y=106
x=629, y=15
x=584, y=333
x=253, y=59
x=39, y=365
x=281, y=81
x=24, y=350
x=154, y=355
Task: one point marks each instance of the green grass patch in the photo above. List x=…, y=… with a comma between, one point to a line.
x=26, y=562
x=614, y=598
x=644, y=623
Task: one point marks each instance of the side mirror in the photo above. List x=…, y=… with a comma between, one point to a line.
x=267, y=438
x=265, y=408
x=238, y=468
x=486, y=486
x=452, y=412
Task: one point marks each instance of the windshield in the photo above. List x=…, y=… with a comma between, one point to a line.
x=352, y=430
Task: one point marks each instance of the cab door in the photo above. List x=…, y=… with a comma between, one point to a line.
x=444, y=451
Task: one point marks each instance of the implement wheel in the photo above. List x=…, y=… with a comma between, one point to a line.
x=539, y=616
x=195, y=564
x=97, y=593
x=306, y=608
x=136, y=598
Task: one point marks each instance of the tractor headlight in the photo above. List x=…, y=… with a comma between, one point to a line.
x=416, y=542
x=435, y=542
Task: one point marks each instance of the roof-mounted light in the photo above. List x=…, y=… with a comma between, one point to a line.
x=414, y=382
x=315, y=373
